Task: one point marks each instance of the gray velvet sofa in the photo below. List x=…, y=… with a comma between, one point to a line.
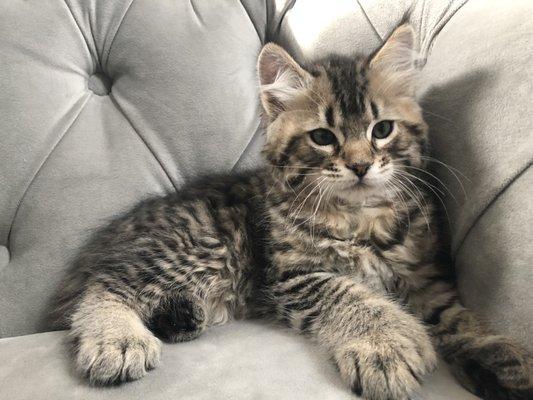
x=105, y=102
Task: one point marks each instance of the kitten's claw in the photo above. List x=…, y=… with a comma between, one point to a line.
x=389, y=369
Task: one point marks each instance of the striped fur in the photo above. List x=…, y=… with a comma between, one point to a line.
x=337, y=237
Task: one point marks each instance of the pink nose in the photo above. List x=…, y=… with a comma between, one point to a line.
x=360, y=169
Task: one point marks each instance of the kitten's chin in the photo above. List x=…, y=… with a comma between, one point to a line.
x=361, y=193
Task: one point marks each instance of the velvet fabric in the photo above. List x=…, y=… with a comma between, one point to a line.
x=103, y=103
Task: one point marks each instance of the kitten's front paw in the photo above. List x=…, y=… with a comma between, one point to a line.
x=390, y=367
x=494, y=368
x=106, y=361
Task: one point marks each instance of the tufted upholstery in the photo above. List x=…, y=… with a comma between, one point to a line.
x=100, y=117
x=103, y=103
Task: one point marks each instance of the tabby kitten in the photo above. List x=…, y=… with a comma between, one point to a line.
x=334, y=236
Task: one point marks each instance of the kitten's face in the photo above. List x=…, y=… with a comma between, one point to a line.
x=346, y=126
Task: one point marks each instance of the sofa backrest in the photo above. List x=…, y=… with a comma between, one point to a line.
x=105, y=103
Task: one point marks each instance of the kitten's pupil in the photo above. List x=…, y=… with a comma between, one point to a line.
x=323, y=137
x=382, y=129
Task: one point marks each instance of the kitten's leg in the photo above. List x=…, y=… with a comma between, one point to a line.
x=491, y=366
x=382, y=352
x=110, y=328
x=110, y=341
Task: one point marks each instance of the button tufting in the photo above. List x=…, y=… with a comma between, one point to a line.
x=99, y=84
x=4, y=257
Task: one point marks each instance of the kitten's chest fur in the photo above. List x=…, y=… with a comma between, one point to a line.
x=352, y=246
x=374, y=243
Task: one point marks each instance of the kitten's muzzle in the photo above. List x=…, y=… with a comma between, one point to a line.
x=360, y=169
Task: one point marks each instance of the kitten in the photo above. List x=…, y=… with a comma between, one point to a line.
x=335, y=236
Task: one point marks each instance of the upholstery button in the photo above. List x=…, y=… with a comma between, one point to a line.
x=4, y=257
x=99, y=84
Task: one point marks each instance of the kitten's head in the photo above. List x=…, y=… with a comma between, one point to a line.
x=348, y=124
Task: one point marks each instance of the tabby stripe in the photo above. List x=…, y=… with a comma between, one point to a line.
x=308, y=302
x=289, y=149
x=293, y=273
x=338, y=298
x=329, y=116
x=308, y=320
x=356, y=385
x=434, y=317
x=295, y=180
x=293, y=289
x=192, y=213
x=115, y=290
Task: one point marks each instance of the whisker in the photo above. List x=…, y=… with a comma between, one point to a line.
x=299, y=193
x=295, y=166
x=437, y=179
x=444, y=207
x=398, y=193
x=433, y=159
x=429, y=185
x=404, y=202
x=408, y=181
x=451, y=170
x=440, y=116
x=415, y=198
x=302, y=204
x=321, y=195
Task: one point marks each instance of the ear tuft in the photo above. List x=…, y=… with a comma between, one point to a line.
x=281, y=78
x=395, y=61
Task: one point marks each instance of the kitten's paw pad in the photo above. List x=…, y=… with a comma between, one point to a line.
x=384, y=371
x=110, y=361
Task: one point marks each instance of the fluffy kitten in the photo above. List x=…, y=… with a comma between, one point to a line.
x=335, y=237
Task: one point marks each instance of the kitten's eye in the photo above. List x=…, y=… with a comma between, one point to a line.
x=323, y=137
x=382, y=129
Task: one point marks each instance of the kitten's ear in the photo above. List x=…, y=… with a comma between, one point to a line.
x=281, y=78
x=394, y=62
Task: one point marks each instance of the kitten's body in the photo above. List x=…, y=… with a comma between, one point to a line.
x=255, y=240
x=354, y=263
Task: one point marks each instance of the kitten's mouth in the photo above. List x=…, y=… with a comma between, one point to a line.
x=356, y=185
x=360, y=183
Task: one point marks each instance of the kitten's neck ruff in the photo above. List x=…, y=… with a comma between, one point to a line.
x=310, y=208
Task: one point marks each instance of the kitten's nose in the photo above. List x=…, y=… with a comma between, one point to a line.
x=360, y=169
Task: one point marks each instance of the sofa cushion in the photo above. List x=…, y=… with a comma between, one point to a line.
x=477, y=84
x=237, y=361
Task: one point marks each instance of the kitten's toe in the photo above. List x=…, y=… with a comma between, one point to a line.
x=110, y=361
x=384, y=372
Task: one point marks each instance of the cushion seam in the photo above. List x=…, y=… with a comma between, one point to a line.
x=46, y=158
x=489, y=204
x=257, y=131
x=369, y=21
x=105, y=55
x=437, y=28
x=152, y=152
x=252, y=22
x=81, y=33
x=274, y=35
